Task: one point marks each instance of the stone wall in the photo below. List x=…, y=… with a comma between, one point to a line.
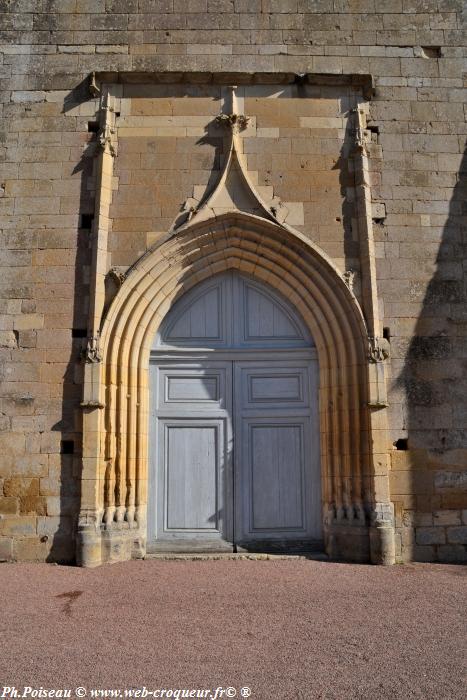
x=414, y=49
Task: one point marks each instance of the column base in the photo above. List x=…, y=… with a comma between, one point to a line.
x=96, y=546
x=348, y=543
x=369, y=540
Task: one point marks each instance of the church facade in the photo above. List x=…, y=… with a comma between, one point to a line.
x=233, y=286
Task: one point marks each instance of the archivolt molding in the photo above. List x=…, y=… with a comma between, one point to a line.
x=115, y=461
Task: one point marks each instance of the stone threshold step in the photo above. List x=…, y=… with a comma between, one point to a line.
x=252, y=556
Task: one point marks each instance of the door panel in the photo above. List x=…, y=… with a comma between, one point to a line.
x=275, y=465
x=264, y=319
x=199, y=319
x=232, y=311
x=191, y=491
x=265, y=386
x=189, y=483
x=192, y=472
x=183, y=388
x=277, y=457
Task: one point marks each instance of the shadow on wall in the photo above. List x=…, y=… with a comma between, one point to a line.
x=348, y=185
x=434, y=378
x=63, y=547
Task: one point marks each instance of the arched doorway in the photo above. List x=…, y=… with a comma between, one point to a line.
x=354, y=459
x=234, y=427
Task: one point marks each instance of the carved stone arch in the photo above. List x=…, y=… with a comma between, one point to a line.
x=354, y=467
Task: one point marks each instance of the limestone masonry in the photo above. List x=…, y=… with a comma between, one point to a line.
x=317, y=145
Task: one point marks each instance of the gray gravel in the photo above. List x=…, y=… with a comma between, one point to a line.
x=287, y=629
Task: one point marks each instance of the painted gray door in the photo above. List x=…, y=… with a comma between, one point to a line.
x=191, y=472
x=276, y=457
x=234, y=423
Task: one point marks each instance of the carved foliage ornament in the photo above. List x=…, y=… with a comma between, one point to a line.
x=92, y=352
x=104, y=140
x=360, y=135
x=117, y=276
x=238, y=122
x=378, y=349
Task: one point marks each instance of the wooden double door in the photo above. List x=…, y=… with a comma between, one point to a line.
x=235, y=462
x=234, y=424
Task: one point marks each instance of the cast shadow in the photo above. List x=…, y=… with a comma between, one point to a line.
x=434, y=379
x=63, y=545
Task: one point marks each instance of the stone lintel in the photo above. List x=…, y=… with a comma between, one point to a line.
x=365, y=81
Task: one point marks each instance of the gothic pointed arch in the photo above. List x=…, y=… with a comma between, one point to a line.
x=115, y=464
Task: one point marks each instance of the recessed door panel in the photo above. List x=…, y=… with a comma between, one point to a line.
x=264, y=388
x=266, y=319
x=184, y=388
x=273, y=385
x=232, y=311
x=192, y=474
x=275, y=466
x=191, y=491
x=277, y=457
x=199, y=321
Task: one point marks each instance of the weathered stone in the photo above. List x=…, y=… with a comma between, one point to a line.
x=8, y=505
x=6, y=549
x=26, y=491
x=430, y=535
x=17, y=526
x=451, y=554
x=457, y=535
x=446, y=517
x=302, y=156
x=8, y=339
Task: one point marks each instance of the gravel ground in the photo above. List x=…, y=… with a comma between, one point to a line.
x=287, y=629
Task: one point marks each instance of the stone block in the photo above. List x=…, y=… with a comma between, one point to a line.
x=457, y=535
x=424, y=553
x=446, y=517
x=453, y=500
x=7, y=339
x=17, y=526
x=30, y=549
x=53, y=525
x=26, y=491
x=451, y=479
x=6, y=549
x=11, y=447
x=8, y=505
x=31, y=465
x=27, y=339
x=50, y=487
x=452, y=553
x=430, y=535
